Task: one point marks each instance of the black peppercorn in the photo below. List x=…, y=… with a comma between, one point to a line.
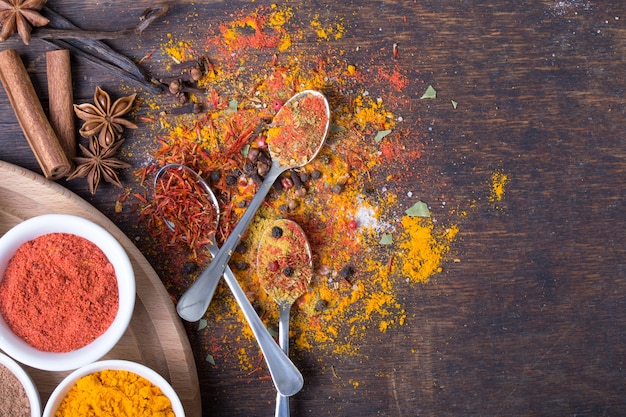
x=231, y=180
x=249, y=168
x=277, y=232
x=241, y=265
x=190, y=268
x=346, y=272
x=241, y=248
x=215, y=175
x=316, y=175
x=288, y=271
x=321, y=305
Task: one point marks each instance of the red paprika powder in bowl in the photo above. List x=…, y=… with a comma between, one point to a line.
x=67, y=292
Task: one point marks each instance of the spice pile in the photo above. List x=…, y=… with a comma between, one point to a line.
x=365, y=244
x=58, y=292
x=115, y=393
x=13, y=399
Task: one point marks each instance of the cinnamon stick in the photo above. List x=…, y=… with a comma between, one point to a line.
x=29, y=113
x=61, y=99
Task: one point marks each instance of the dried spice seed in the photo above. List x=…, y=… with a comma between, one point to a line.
x=242, y=265
x=231, y=180
x=293, y=205
x=262, y=169
x=287, y=183
x=316, y=174
x=273, y=266
x=215, y=175
x=241, y=248
x=288, y=271
x=321, y=305
x=190, y=268
x=337, y=188
x=253, y=154
x=346, y=272
x=304, y=177
x=277, y=232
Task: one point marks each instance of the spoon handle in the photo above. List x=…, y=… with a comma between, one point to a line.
x=282, y=401
x=287, y=378
x=194, y=294
x=192, y=305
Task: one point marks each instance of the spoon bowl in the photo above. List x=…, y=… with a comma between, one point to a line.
x=287, y=378
x=281, y=162
x=284, y=270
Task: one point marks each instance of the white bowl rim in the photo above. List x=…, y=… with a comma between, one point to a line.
x=150, y=374
x=27, y=382
x=40, y=225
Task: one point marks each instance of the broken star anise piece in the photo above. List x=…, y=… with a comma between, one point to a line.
x=103, y=119
x=98, y=163
x=20, y=16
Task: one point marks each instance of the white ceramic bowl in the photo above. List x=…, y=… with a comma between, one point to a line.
x=27, y=383
x=29, y=229
x=60, y=392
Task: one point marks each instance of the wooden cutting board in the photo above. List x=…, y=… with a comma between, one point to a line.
x=156, y=336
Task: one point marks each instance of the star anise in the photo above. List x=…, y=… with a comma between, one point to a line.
x=103, y=119
x=98, y=163
x=20, y=16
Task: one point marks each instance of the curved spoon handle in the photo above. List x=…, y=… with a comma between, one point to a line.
x=282, y=401
x=193, y=304
x=287, y=378
x=198, y=292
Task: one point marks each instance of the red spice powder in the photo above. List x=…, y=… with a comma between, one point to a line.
x=299, y=130
x=59, y=292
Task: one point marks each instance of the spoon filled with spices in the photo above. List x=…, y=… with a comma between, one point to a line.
x=294, y=138
x=284, y=269
x=287, y=378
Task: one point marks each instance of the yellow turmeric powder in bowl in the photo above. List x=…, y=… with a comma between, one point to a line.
x=114, y=388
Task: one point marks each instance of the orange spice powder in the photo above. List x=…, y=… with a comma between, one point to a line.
x=353, y=292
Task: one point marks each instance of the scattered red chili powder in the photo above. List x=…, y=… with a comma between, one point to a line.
x=59, y=292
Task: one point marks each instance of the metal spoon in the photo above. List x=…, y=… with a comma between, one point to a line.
x=195, y=299
x=280, y=250
x=287, y=378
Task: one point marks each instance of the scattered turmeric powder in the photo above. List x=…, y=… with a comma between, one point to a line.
x=498, y=182
x=353, y=292
x=115, y=393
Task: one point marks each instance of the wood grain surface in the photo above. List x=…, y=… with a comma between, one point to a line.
x=531, y=321
x=155, y=336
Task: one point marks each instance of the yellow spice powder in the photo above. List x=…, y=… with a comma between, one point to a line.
x=499, y=181
x=115, y=393
x=336, y=314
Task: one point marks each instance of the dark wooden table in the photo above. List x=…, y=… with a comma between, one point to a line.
x=529, y=322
